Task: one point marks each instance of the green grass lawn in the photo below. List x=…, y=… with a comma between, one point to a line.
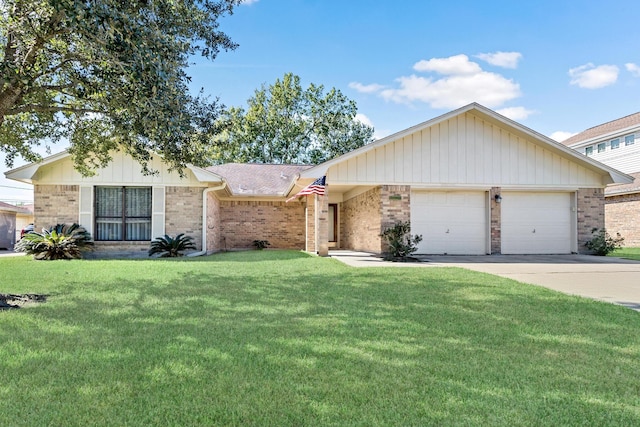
x=285, y=339
x=628, y=253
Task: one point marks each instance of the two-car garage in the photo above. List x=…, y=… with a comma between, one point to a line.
x=459, y=222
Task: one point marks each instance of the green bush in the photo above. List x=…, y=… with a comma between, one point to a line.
x=602, y=243
x=261, y=244
x=400, y=243
x=170, y=247
x=58, y=242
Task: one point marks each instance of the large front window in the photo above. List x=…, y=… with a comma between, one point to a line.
x=123, y=213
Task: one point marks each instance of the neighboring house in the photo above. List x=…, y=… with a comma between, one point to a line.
x=471, y=181
x=9, y=231
x=617, y=144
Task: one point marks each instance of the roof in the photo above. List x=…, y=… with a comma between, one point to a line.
x=604, y=129
x=257, y=179
x=490, y=116
x=7, y=207
x=634, y=187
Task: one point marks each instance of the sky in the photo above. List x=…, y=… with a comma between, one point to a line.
x=557, y=67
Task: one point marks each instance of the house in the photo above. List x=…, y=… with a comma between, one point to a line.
x=12, y=218
x=470, y=181
x=617, y=144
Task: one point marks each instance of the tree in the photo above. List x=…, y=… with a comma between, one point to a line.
x=286, y=124
x=107, y=74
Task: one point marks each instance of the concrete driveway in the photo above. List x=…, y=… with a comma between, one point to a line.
x=608, y=279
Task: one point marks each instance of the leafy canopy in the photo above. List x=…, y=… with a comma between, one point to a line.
x=107, y=74
x=286, y=124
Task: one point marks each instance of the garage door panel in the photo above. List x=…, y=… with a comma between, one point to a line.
x=449, y=222
x=536, y=223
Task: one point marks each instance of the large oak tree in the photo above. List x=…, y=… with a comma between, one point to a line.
x=285, y=123
x=107, y=74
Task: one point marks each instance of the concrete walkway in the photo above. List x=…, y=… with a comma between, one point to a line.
x=608, y=279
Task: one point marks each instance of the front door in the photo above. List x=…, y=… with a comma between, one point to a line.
x=333, y=225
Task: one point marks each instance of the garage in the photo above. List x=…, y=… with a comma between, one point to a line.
x=450, y=222
x=537, y=223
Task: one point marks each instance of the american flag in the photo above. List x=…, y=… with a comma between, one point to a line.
x=316, y=187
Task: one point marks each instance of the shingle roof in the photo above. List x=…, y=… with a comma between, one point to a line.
x=254, y=179
x=603, y=129
x=13, y=208
x=634, y=187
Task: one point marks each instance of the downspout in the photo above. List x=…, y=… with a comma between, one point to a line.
x=204, y=218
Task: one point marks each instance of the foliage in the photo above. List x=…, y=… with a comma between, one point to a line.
x=58, y=242
x=107, y=75
x=261, y=244
x=603, y=243
x=170, y=247
x=400, y=242
x=256, y=337
x=289, y=125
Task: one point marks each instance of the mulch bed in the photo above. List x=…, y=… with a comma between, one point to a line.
x=11, y=301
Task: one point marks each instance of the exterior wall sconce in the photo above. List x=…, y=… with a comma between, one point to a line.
x=498, y=198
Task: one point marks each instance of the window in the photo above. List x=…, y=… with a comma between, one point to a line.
x=629, y=139
x=601, y=147
x=588, y=151
x=123, y=213
x=615, y=143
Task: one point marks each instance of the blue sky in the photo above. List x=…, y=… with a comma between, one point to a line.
x=557, y=67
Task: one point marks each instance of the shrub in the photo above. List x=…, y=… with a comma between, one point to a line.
x=400, y=242
x=261, y=244
x=169, y=247
x=602, y=243
x=58, y=242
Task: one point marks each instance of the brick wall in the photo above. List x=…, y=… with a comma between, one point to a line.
x=590, y=214
x=242, y=222
x=362, y=220
x=395, y=201
x=55, y=204
x=622, y=215
x=183, y=212
x=496, y=221
x=213, y=224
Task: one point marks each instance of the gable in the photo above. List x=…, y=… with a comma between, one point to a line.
x=471, y=148
x=123, y=170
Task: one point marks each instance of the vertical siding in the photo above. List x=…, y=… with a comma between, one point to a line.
x=463, y=150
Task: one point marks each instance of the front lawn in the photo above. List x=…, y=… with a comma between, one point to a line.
x=628, y=253
x=285, y=339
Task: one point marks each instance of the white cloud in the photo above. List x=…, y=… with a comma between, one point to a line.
x=561, y=135
x=366, y=88
x=453, y=65
x=364, y=119
x=488, y=89
x=501, y=59
x=516, y=113
x=589, y=76
x=377, y=133
x=248, y=2
x=633, y=69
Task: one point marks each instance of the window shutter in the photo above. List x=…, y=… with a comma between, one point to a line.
x=85, y=217
x=157, y=213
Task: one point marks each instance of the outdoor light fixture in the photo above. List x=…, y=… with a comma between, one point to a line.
x=498, y=198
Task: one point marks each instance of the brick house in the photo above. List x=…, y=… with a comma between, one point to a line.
x=471, y=181
x=617, y=144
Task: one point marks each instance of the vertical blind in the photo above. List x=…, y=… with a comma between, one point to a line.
x=123, y=213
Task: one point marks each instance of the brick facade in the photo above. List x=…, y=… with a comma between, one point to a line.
x=242, y=222
x=55, y=204
x=496, y=221
x=213, y=224
x=362, y=219
x=590, y=214
x=183, y=212
x=622, y=215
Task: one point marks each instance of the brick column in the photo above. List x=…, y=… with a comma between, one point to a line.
x=323, y=226
x=590, y=214
x=496, y=221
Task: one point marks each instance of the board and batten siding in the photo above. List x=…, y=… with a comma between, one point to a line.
x=123, y=170
x=463, y=150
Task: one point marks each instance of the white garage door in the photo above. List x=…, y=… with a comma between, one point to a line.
x=450, y=222
x=536, y=223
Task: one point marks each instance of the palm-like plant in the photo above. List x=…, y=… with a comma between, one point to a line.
x=167, y=246
x=61, y=241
